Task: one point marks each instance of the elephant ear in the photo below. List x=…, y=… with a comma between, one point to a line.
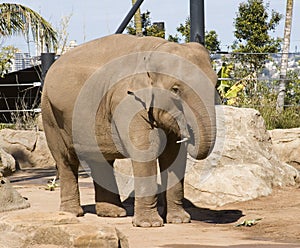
x=141, y=88
x=146, y=98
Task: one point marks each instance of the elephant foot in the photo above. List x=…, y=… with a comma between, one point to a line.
x=76, y=210
x=105, y=209
x=147, y=219
x=177, y=216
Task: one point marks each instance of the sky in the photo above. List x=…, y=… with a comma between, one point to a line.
x=91, y=19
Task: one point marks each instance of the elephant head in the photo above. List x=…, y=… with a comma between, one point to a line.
x=190, y=80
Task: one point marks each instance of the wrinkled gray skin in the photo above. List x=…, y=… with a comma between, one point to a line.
x=182, y=115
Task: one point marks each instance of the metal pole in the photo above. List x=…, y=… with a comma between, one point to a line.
x=34, y=84
x=129, y=16
x=47, y=59
x=197, y=32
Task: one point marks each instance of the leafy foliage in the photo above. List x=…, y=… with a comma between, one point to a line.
x=224, y=83
x=251, y=49
x=292, y=89
x=252, y=27
x=211, y=38
x=184, y=30
x=211, y=41
x=16, y=19
x=262, y=95
x=6, y=55
x=62, y=34
x=149, y=29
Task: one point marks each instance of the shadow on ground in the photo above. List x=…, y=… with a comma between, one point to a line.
x=32, y=176
x=38, y=175
x=231, y=246
x=212, y=216
x=199, y=214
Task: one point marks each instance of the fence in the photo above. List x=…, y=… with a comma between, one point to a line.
x=265, y=82
x=20, y=91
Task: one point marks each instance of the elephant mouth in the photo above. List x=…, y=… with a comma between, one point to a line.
x=186, y=134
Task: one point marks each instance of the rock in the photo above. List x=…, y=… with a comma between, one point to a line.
x=29, y=148
x=7, y=163
x=10, y=199
x=58, y=229
x=286, y=144
x=39, y=122
x=124, y=177
x=242, y=166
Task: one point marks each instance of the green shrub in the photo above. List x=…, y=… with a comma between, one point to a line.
x=261, y=96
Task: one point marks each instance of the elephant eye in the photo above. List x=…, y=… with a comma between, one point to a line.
x=175, y=89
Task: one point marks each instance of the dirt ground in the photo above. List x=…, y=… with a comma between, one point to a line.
x=278, y=228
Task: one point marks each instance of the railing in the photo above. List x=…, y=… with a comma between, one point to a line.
x=31, y=92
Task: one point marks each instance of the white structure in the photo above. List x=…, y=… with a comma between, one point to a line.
x=21, y=61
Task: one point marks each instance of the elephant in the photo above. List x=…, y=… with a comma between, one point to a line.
x=122, y=96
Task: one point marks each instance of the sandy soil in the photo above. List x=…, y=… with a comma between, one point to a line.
x=279, y=227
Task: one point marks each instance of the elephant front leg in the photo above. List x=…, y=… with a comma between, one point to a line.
x=175, y=210
x=172, y=165
x=145, y=185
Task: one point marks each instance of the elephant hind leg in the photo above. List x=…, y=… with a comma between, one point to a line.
x=67, y=163
x=70, y=199
x=108, y=202
x=67, y=166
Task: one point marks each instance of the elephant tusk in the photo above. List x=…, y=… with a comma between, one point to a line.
x=181, y=141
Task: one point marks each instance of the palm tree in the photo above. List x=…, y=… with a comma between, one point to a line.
x=138, y=21
x=285, y=55
x=19, y=19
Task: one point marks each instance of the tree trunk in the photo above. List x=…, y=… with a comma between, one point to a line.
x=285, y=55
x=138, y=21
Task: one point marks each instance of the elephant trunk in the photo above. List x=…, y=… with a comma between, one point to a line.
x=202, y=123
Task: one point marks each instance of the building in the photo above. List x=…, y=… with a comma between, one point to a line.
x=21, y=61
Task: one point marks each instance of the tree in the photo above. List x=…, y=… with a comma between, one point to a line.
x=285, y=55
x=252, y=27
x=184, y=30
x=211, y=41
x=63, y=35
x=19, y=19
x=6, y=55
x=138, y=21
x=148, y=28
x=211, y=38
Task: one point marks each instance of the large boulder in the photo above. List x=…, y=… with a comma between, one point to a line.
x=286, y=144
x=10, y=199
x=241, y=167
x=7, y=163
x=56, y=229
x=29, y=148
x=243, y=164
